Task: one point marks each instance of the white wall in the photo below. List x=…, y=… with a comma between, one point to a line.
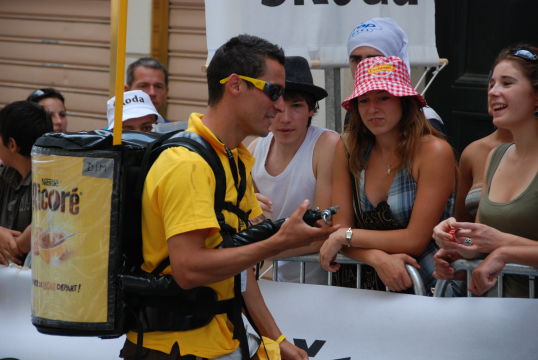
x=138, y=30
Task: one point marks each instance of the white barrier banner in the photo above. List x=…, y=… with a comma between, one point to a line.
x=341, y=323
x=318, y=29
x=20, y=340
x=329, y=322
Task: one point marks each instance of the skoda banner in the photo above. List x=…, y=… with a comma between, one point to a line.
x=318, y=29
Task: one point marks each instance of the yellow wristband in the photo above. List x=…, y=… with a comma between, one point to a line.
x=280, y=339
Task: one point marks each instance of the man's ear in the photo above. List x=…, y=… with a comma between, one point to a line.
x=12, y=145
x=233, y=84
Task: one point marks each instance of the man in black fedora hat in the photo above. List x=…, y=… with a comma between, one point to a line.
x=293, y=162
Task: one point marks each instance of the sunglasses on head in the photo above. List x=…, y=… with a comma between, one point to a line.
x=273, y=91
x=36, y=95
x=525, y=55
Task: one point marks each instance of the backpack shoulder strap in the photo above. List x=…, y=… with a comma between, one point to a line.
x=199, y=145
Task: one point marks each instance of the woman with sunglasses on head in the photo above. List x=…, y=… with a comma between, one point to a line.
x=507, y=211
x=472, y=165
x=54, y=103
x=393, y=177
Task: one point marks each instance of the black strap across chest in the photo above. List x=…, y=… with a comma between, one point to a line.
x=199, y=145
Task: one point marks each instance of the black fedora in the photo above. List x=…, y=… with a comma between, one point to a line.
x=299, y=77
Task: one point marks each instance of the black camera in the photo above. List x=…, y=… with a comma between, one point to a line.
x=268, y=227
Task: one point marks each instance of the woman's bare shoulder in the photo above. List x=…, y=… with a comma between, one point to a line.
x=479, y=149
x=433, y=144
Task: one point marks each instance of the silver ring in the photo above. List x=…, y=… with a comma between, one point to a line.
x=468, y=241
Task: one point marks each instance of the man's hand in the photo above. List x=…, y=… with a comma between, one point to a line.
x=288, y=351
x=8, y=246
x=265, y=203
x=24, y=241
x=295, y=232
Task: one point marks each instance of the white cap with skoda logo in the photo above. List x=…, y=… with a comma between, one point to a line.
x=383, y=34
x=136, y=103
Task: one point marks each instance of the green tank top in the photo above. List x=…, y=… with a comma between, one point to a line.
x=518, y=216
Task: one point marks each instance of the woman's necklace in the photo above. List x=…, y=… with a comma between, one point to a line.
x=388, y=170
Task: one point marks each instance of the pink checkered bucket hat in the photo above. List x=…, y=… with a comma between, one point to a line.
x=382, y=73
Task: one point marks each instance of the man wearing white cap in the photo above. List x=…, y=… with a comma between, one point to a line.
x=383, y=37
x=138, y=112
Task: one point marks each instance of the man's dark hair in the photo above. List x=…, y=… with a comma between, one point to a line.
x=24, y=121
x=145, y=62
x=242, y=55
x=40, y=94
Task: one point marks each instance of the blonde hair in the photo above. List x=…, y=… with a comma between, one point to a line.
x=413, y=125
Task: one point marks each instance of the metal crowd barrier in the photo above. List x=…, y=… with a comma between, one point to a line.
x=418, y=284
x=469, y=265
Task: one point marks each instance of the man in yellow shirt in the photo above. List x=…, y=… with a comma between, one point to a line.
x=245, y=81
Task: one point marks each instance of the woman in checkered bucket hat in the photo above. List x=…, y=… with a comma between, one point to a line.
x=382, y=36
x=383, y=73
x=394, y=178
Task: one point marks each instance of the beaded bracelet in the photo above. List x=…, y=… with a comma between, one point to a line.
x=280, y=339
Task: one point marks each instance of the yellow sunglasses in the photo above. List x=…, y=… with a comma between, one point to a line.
x=273, y=91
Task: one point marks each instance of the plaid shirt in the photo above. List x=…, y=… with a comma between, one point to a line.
x=401, y=197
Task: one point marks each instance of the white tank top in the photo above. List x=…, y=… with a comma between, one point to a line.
x=287, y=191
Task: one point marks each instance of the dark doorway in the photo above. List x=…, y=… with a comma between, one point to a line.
x=469, y=34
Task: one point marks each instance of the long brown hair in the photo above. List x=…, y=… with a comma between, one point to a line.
x=413, y=125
